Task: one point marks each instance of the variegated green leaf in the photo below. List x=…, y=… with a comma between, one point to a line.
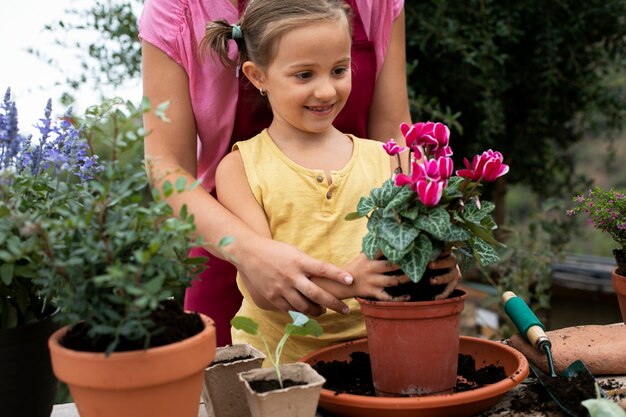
x=392, y=254
x=415, y=261
x=382, y=196
x=473, y=214
x=364, y=206
x=411, y=213
x=484, y=253
x=437, y=223
x=399, y=235
x=374, y=221
x=370, y=245
x=400, y=200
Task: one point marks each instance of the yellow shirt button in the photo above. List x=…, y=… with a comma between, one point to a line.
x=320, y=178
x=329, y=195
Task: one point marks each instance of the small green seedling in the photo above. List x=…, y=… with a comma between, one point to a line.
x=301, y=326
x=602, y=407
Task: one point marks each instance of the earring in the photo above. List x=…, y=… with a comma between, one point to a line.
x=262, y=92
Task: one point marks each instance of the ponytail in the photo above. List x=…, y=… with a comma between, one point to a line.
x=215, y=41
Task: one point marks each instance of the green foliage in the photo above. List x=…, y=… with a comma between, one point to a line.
x=301, y=326
x=113, y=55
x=606, y=211
x=410, y=234
x=116, y=254
x=533, y=244
x=102, y=249
x=529, y=78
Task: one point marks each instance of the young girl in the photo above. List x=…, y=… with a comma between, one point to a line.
x=296, y=181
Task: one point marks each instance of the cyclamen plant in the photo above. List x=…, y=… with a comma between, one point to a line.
x=606, y=211
x=414, y=217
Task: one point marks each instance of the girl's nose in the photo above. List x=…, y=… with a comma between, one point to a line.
x=325, y=90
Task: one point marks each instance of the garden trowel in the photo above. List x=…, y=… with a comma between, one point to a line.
x=569, y=388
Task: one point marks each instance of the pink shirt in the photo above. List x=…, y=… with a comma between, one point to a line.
x=177, y=26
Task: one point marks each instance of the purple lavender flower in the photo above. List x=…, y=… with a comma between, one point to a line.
x=59, y=148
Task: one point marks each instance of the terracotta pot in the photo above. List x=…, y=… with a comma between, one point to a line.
x=413, y=346
x=619, y=286
x=27, y=384
x=163, y=381
x=223, y=393
x=296, y=401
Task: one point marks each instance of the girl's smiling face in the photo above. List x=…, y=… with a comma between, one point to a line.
x=309, y=79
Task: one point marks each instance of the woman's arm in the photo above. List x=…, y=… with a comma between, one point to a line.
x=277, y=270
x=390, y=104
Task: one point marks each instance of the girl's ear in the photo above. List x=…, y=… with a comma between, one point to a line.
x=255, y=74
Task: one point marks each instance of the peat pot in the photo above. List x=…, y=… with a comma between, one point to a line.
x=414, y=345
x=223, y=393
x=163, y=381
x=27, y=384
x=294, y=401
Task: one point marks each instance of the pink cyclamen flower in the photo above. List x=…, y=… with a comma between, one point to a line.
x=392, y=148
x=414, y=134
x=487, y=166
x=417, y=173
x=430, y=192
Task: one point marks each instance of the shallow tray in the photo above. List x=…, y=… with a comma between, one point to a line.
x=461, y=404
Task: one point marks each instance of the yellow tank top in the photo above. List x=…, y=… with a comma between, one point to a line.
x=304, y=210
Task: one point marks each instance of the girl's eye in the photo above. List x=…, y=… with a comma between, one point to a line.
x=340, y=71
x=304, y=75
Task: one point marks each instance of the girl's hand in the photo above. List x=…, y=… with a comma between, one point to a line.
x=370, y=279
x=446, y=261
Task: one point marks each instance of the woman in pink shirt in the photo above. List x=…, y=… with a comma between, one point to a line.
x=212, y=106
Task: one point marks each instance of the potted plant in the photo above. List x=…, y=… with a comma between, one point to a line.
x=223, y=394
x=290, y=390
x=32, y=175
x=606, y=211
x=113, y=258
x=412, y=219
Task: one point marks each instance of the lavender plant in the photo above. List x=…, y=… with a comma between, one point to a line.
x=38, y=177
x=89, y=234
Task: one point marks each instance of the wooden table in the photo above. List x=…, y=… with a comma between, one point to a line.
x=525, y=396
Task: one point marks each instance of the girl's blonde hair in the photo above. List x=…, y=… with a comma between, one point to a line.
x=263, y=23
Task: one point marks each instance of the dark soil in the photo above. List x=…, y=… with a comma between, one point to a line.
x=420, y=291
x=262, y=386
x=231, y=360
x=174, y=324
x=570, y=391
x=355, y=376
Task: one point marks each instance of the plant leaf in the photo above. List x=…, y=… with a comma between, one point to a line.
x=398, y=235
x=484, y=253
x=415, y=261
x=298, y=318
x=246, y=324
x=370, y=245
x=364, y=206
x=602, y=407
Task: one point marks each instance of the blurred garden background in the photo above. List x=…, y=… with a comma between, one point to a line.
x=543, y=82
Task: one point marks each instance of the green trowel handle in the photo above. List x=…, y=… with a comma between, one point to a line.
x=525, y=320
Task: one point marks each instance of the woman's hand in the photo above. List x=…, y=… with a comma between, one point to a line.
x=451, y=278
x=277, y=275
